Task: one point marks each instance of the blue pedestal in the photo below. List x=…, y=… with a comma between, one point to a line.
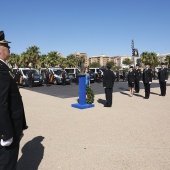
x=82, y=94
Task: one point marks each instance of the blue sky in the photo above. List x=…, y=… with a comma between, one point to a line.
x=91, y=26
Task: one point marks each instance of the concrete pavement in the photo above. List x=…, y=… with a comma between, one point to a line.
x=132, y=135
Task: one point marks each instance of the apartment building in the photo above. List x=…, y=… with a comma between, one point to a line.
x=78, y=54
x=101, y=59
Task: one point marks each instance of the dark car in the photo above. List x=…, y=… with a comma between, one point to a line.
x=92, y=77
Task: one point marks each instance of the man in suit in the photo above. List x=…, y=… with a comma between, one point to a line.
x=108, y=82
x=12, y=116
x=147, y=80
x=137, y=78
x=163, y=77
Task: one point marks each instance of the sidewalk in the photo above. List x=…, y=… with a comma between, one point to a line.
x=132, y=135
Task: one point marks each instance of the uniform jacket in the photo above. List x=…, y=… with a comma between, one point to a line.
x=163, y=74
x=138, y=74
x=131, y=77
x=12, y=116
x=108, y=79
x=147, y=75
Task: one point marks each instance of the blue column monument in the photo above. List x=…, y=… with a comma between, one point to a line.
x=82, y=94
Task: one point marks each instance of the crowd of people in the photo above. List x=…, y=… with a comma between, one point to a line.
x=134, y=77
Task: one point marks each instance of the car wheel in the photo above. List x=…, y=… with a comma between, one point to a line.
x=55, y=82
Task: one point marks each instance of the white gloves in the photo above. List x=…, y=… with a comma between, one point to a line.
x=7, y=142
x=165, y=80
x=150, y=82
x=104, y=87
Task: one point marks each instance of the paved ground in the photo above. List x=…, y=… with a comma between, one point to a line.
x=132, y=135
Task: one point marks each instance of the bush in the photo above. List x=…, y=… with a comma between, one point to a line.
x=90, y=95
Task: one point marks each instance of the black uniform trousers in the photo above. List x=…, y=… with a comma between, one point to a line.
x=30, y=82
x=9, y=156
x=147, y=90
x=108, y=92
x=137, y=86
x=163, y=88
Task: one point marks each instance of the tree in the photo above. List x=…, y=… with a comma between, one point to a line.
x=111, y=63
x=63, y=62
x=24, y=60
x=33, y=54
x=42, y=61
x=95, y=65
x=53, y=58
x=72, y=61
x=127, y=62
x=150, y=58
x=167, y=60
x=81, y=61
x=14, y=60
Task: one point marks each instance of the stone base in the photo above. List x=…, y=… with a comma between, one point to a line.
x=80, y=106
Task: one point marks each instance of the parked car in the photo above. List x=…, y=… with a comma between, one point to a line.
x=95, y=72
x=56, y=75
x=72, y=73
x=37, y=78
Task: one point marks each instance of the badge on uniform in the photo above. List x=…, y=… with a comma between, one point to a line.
x=11, y=74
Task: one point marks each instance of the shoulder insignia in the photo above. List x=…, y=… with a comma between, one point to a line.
x=11, y=74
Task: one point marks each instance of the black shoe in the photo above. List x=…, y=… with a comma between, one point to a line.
x=146, y=97
x=107, y=106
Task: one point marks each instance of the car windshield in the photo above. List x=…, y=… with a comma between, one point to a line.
x=33, y=71
x=57, y=72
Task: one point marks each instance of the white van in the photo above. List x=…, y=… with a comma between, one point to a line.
x=37, y=78
x=57, y=73
x=72, y=72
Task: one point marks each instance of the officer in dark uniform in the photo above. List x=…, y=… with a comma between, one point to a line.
x=117, y=75
x=108, y=82
x=131, y=80
x=17, y=76
x=138, y=77
x=63, y=78
x=76, y=77
x=12, y=116
x=147, y=80
x=30, y=77
x=124, y=74
x=46, y=77
x=163, y=77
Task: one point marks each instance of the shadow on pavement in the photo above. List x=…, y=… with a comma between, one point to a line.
x=127, y=94
x=155, y=93
x=101, y=101
x=32, y=154
x=138, y=95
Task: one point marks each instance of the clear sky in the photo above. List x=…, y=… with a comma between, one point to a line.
x=91, y=26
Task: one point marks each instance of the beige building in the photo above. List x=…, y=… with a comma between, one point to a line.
x=78, y=54
x=101, y=59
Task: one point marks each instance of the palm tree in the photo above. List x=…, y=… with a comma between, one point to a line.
x=127, y=62
x=72, y=60
x=53, y=58
x=14, y=60
x=150, y=58
x=42, y=61
x=167, y=60
x=33, y=53
x=25, y=59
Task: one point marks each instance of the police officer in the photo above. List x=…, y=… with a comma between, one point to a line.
x=147, y=80
x=30, y=77
x=12, y=115
x=117, y=75
x=124, y=74
x=108, y=82
x=131, y=80
x=46, y=76
x=63, y=78
x=163, y=77
x=138, y=77
x=17, y=76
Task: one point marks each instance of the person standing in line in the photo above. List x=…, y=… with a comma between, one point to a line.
x=117, y=75
x=163, y=77
x=18, y=76
x=12, y=115
x=108, y=83
x=30, y=77
x=46, y=76
x=131, y=80
x=76, y=77
x=63, y=78
x=147, y=79
x=138, y=77
x=124, y=74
